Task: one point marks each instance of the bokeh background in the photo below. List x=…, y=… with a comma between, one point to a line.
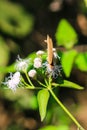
x=24, y=25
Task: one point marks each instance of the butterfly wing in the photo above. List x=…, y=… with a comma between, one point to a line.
x=49, y=50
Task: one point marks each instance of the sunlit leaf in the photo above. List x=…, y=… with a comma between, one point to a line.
x=67, y=61
x=70, y=84
x=81, y=61
x=60, y=127
x=65, y=34
x=43, y=97
x=32, y=55
x=85, y=1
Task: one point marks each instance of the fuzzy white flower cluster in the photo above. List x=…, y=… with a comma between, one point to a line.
x=13, y=81
x=37, y=63
x=21, y=64
x=55, y=71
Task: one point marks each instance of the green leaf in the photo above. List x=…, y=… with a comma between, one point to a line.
x=14, y=20
x=32, y=55
x=70, y=84
x=60, y=127
x=67, y=61
x=43, y=97
x=65, y=34
x=81, y=61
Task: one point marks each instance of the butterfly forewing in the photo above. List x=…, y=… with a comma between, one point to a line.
x=49, y=50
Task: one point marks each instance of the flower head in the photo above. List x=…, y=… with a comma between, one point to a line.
x=40, y=53
x=22, y=64
x=37, y=62
x=54, y=71
x=13, y=81
x=32, y=73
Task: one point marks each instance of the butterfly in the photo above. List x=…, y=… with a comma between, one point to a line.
x=53, y=58
x=49, y=51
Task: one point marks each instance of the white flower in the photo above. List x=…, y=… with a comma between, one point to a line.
x=54, y=71
x=32, y=73
x=40, y=52
x=22, y=64
x=49, y=69
x=55, y=54
x=37, y=63
x=54, y=49
x=13, y=81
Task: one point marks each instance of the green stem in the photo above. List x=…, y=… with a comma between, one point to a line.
x=30, y=87
x=27, y=85
x=36, y=88
x=29, y=80
x=41, y=83
x=66, y=110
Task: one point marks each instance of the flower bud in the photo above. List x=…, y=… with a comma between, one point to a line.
x=37, y=63
x=40, y=52
x=32, y=73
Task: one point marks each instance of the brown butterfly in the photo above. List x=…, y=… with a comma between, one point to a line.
x=53, y=58
x=49, y=51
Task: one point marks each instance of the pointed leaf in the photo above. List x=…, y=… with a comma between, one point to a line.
x=81, y=61
x=59, y=127
x=43, y=97
x=65, y=34
x=67, y=61
x=70, y=84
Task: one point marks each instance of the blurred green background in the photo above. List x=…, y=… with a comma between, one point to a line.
x=24, y=26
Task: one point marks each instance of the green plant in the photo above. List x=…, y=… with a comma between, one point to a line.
x=45, y=69
x=66, y=36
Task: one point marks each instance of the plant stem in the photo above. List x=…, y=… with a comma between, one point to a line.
x=41, y=83
x=66, y=110
x=27, y=85
x=29, y=80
